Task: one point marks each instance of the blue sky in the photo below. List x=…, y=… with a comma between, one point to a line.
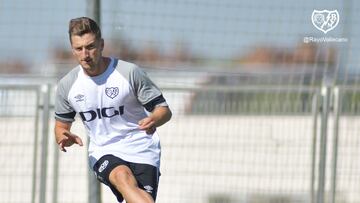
x=215, y=29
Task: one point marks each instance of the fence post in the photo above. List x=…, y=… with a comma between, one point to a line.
x=94, y=10
x=337, y=111
x=323, y=143
x=315, y=113
x=35, y=152
x=94, y=189
x=56, y=173
x=44, y=142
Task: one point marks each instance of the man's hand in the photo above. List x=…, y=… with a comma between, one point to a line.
x=147, y=124
x=159, y=116
x=68, y=139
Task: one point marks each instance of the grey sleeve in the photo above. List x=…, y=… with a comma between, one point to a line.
x=146, y=91
x=148, y=94
x=63, y=109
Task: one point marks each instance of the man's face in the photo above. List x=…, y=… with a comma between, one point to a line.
x=87, y=51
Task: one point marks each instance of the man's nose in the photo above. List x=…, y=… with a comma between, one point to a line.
x=84, y=53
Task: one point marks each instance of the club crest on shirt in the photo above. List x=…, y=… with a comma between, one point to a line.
x=112, y=92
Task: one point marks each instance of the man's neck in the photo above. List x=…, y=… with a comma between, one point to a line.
x=103, y=64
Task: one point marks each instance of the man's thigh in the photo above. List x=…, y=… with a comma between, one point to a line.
x=147, y=176
x=103, y=168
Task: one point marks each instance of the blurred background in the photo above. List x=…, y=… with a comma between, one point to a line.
x=266, y=106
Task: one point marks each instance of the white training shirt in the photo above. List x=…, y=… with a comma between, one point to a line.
x=110, y=106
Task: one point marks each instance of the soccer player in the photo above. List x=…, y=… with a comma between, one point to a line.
x=120, y=108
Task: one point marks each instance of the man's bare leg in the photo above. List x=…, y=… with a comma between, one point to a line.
x=124, y=181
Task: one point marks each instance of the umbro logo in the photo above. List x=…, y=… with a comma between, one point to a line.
x=79, y=97
x=148, y=188
x=112, y=92
x=103, y=166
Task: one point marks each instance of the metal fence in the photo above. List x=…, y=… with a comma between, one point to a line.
x=248, y=144
x=276, y=121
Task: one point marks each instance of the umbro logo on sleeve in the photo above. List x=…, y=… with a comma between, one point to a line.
x=79, y=98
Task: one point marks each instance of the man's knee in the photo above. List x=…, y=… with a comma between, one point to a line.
x=122, y=176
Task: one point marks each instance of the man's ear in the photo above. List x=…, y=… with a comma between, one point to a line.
x=102, y=44
x=72, y=51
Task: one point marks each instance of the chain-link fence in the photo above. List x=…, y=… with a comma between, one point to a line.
x=245, y=81
x=234, y=144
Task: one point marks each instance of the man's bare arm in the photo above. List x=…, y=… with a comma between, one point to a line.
x=63, y=136
x=159, y=116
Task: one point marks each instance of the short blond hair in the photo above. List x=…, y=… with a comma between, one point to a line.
x=83, y=25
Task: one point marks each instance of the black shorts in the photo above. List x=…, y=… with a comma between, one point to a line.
x=147, y=176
